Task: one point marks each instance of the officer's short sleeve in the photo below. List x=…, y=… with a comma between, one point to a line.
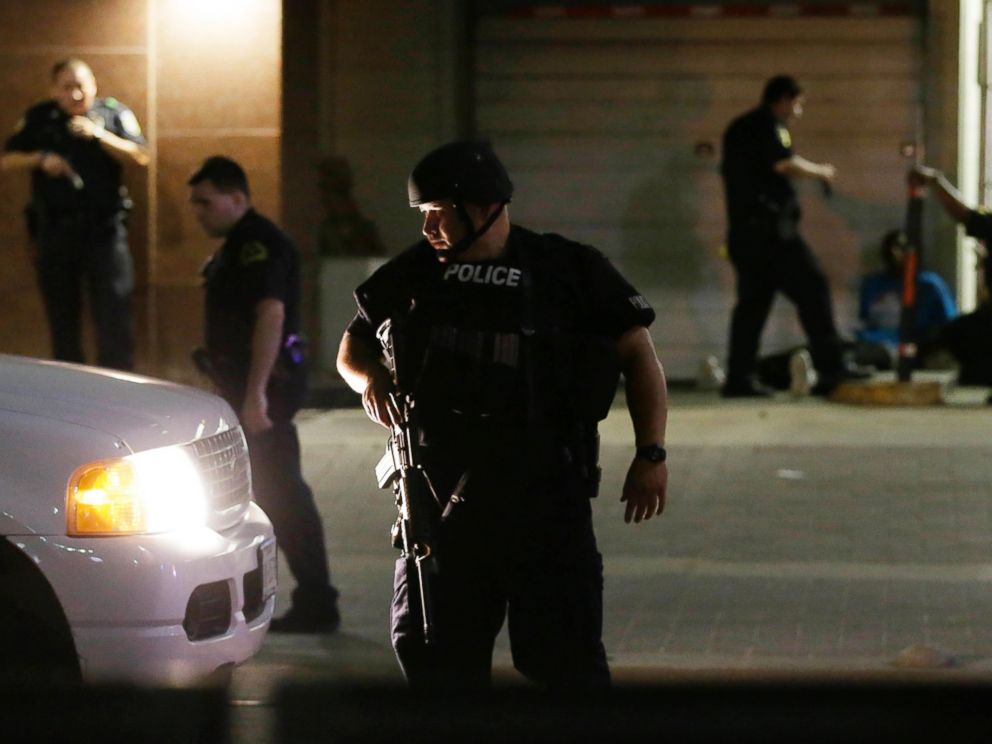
x=24, y=137
x=774, y=144
x=266, y=270
x=125, y=125
x=978, y=224
x=373, y=302
x=388, y=292
x=614, y=306
x=362, y=325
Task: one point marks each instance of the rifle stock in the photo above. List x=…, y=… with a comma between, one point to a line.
x=414, y=532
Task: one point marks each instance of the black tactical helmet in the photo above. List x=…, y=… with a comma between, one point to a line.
x=462, y=171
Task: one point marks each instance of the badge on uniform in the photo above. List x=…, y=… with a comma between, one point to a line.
x=784, y=137
x=252, y=252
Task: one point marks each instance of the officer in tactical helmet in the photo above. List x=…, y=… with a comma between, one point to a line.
x=74, y=146
x=516, y=341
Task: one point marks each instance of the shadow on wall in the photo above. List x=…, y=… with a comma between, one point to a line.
x=350, y=249
x=671, y=232
x=659, y=227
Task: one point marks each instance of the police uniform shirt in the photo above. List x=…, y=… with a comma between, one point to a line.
x=978, y=225
x=45, y=127
x=257, y=261
x=466, y=319
x=752, y=145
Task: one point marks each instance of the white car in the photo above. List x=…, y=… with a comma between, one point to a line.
x=130, y=549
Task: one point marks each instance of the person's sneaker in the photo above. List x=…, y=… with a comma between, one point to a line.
x=747, y=389
x=710, y=375
x=298, y=621
x=802, y=375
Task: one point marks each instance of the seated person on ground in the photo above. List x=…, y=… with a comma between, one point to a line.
x=880, y=305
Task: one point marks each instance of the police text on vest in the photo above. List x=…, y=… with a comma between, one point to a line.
x=499, y=276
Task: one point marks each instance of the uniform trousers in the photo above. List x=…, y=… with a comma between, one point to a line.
x=765, y=266
x=279, y=488
x=74, y=250
x=532, y=561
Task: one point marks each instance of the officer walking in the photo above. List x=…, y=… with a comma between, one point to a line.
x=256, y=359
x=517, y=340
x=74, y=145
x=765, y=246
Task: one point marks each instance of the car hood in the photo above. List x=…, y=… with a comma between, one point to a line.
x=142, y=412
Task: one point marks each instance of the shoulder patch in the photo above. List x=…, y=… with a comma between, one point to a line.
x=130, y=123
x=253, y=252
x=783, y=136
x=111, y=102
x=639, y=302
x=20, y=125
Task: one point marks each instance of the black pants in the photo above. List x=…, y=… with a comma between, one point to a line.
x=77, y=250
x=767, y=265
x=969, y=339
x=534, y=563
x=283, y=494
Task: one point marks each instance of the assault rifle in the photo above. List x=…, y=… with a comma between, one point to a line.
x=417, y=504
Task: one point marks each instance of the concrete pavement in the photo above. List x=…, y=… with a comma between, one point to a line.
x=800, y=536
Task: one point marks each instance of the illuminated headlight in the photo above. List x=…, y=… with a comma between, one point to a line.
x=154, y=491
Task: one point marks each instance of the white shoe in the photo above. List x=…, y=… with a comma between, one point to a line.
x=802, y=375
x=710, y=375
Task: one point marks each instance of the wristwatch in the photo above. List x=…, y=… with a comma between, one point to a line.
x=652, y=453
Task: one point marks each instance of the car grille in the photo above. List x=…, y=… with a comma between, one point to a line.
x=226, y=472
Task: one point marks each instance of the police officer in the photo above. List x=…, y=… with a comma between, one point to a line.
x=255, y=357
x=517, y=340
x=74, y=145
x=967, y=336
x=764, y=243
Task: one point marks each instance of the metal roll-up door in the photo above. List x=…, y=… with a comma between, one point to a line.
x=610, y=123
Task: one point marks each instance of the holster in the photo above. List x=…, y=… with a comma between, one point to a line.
x=581, y=454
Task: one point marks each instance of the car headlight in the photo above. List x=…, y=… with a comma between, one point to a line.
x=154, y=491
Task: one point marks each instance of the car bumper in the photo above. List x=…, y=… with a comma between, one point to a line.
x=161, y=609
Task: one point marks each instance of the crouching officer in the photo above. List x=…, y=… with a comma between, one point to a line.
x=254, y=356
x=515, y=340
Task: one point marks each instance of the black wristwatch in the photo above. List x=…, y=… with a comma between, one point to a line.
x=652, y=453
